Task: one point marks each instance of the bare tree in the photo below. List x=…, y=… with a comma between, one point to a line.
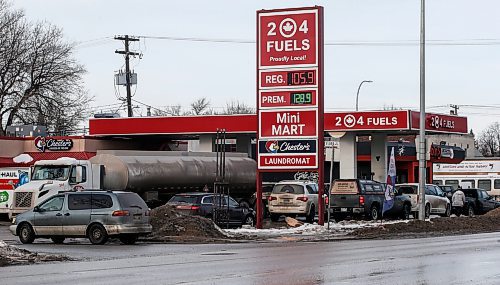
x=201, y=107
x=40, y=81
x=175, y=110
x=489, y=140
x=237, y=107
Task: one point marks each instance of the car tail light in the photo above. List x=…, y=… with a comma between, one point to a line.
x=303, y=199
x=326, y=200
x=362, y=200
x=195, y=208
x=188, y=207
x=120, y=213
x=270, y=198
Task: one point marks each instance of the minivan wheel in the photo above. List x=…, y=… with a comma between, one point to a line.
x=374, y=213
x=97, y=234
x=26, y=234
x=128, y=239
x=57, y=240
x=311, y=215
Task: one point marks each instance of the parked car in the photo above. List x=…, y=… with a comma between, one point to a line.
x=350, y=197
x=436, y=201
x=97, y=215
x=477, y=201
x=294, y=198
x=202, y=204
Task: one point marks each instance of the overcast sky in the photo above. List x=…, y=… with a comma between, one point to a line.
x=463, y=69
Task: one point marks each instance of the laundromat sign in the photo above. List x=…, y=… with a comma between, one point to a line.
x=52, y=144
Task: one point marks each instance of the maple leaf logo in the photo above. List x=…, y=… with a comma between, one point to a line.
x=349, y=121
x=288, y=27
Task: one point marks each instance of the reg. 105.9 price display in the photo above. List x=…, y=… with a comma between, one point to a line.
x=303, y=77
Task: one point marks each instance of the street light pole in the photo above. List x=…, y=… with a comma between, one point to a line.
x=359, y=87
x=422, y=141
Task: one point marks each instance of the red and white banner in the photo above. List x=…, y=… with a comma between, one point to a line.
x=295, y=161
x=290, y=123
x=376, y=120
x=288, y=38
x=288, y=98
x=440, y=123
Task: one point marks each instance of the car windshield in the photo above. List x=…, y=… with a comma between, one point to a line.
x=183, y=199
x=288, y=188
x=51, y=172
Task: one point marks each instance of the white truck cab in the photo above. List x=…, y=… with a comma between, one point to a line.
x=49, y=177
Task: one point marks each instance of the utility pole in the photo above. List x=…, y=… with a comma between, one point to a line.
x=422, y=141
x=455, y=110
x=127, y=54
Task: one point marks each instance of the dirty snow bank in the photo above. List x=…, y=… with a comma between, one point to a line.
x=11, y=255
x=308, y=230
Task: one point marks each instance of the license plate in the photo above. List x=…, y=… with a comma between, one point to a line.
x=137, y=218
x=343, y=209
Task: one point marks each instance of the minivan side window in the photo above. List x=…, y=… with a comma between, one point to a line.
x=53, y=204
x=101, y=201
x=79, y=201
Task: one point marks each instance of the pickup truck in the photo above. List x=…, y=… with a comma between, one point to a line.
x=477, y=201
x=351, y=197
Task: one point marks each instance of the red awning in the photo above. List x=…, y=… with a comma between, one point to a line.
x=8, y=162
x=52, y=155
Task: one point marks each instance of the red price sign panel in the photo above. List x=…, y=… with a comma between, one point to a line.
x=291, y=123
x=288, y=98
x=295, y=161
x=288, y=38
x=289, y=78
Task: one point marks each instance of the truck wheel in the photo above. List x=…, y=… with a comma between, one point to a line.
x=128, y=239
x=275, y=217
x=249, y=220
x=57, y=239
x=26, y=234
x=406, y=212
x=374, y=213
x=311, y=215
x=97, y=234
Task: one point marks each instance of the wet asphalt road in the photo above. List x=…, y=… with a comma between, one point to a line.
x=472, y=259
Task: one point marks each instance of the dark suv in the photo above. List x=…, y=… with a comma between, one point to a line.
x=477, y=201
x=202, y=204
x=364, y=197
x=93, y=214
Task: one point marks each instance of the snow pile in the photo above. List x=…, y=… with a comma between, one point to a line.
x=336, y=229
x=11, y=255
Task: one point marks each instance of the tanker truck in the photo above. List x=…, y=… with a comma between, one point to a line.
x=155, y=175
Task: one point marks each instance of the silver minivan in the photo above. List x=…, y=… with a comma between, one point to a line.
x=96, y=215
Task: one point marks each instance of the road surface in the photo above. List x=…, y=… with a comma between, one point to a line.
x=471, y=259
